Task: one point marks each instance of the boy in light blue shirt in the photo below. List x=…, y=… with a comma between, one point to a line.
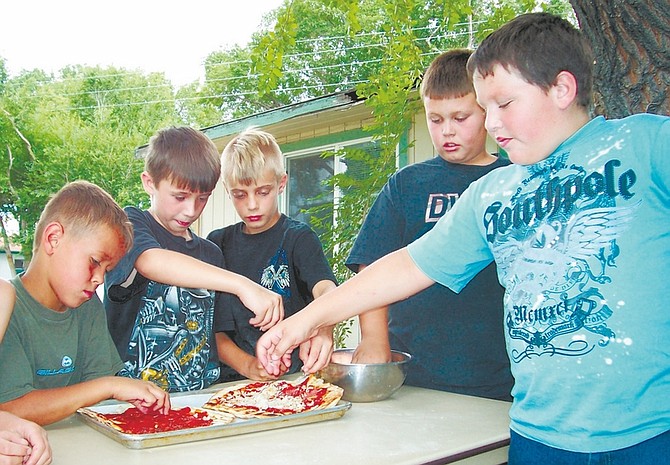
x=578, y=229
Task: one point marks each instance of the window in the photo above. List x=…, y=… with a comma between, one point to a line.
x=307, y=172
x=306, y=185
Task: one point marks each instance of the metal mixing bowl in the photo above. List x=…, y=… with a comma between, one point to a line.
x=366, y=382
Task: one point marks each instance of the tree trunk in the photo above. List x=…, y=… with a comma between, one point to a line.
x=631, y=44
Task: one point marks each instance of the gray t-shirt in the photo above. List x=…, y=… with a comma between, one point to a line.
x=44, y=349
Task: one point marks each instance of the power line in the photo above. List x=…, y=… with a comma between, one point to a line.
x=296, y=55
x=238, y=94
x=340, y=84
x=248, y=76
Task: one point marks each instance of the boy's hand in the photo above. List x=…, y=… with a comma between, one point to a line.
x=144, y=395
x=254, y=370
x=315, y=353
x=25, y=442
x=13, y=448
x=268, y=306
x=275, y=346
x=369, y=351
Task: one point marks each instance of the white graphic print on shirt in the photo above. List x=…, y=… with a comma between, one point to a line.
x=555, y=243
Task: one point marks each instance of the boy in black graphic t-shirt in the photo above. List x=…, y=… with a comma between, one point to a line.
x=278, y=252
x=160, y=298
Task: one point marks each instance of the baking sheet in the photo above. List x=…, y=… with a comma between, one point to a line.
x=197, y=399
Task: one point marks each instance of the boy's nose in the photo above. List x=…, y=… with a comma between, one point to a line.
x=190, y=208
x=491, y=122
x=98, y=277
x=447, y=129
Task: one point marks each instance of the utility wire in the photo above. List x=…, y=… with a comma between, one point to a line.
x=296, y=55
x=239, y=78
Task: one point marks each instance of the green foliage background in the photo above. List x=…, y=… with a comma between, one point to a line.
x=86, y=122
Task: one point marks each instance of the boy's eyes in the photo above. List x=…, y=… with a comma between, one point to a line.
x=95, y=262
x=181, y=198
x=263, y=192
x=458, y=119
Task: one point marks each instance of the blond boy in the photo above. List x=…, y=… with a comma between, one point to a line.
x=278, y=252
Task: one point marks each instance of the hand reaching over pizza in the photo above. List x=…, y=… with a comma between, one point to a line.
x=257, y=399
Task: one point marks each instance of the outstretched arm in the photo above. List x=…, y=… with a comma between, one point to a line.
x=167, y=266
x=46, y=406
x=390, y=279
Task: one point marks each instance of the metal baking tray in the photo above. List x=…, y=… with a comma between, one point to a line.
x=197, y=399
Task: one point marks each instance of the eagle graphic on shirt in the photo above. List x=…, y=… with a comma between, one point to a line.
x=554, y=265
x=275, y=276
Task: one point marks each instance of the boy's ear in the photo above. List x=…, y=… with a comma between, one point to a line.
x=282, y=183
x=53, y=232
x=148, y=183
x=565, y=89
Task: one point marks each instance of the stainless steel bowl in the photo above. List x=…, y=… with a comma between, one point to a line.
x=366, y=382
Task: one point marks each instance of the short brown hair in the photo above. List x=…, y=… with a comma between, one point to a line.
x=248, y=155
x=447, y=76
x=539, y=46
x=81, y=206
x=185, y=156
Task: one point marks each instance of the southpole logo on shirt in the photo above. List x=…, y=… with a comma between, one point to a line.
x=555, y=246
x=559, y=196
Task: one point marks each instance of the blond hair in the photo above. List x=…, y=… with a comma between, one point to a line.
x=184, y=156
x=249, y=155
x=81, y=207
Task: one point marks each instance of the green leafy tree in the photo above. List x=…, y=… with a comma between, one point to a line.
x=84, y=124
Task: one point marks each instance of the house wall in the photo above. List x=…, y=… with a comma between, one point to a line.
x=5, y=271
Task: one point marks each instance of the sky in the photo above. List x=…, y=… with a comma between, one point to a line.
x=148, y=35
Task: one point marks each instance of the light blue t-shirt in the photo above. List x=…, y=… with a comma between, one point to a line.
x=582, y=245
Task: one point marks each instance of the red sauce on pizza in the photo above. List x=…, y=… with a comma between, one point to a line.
x=133, y=421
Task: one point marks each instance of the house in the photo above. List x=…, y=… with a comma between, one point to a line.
x=304, y=131
x=5, y=267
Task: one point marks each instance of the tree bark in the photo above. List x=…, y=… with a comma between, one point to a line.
x=631, y=45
